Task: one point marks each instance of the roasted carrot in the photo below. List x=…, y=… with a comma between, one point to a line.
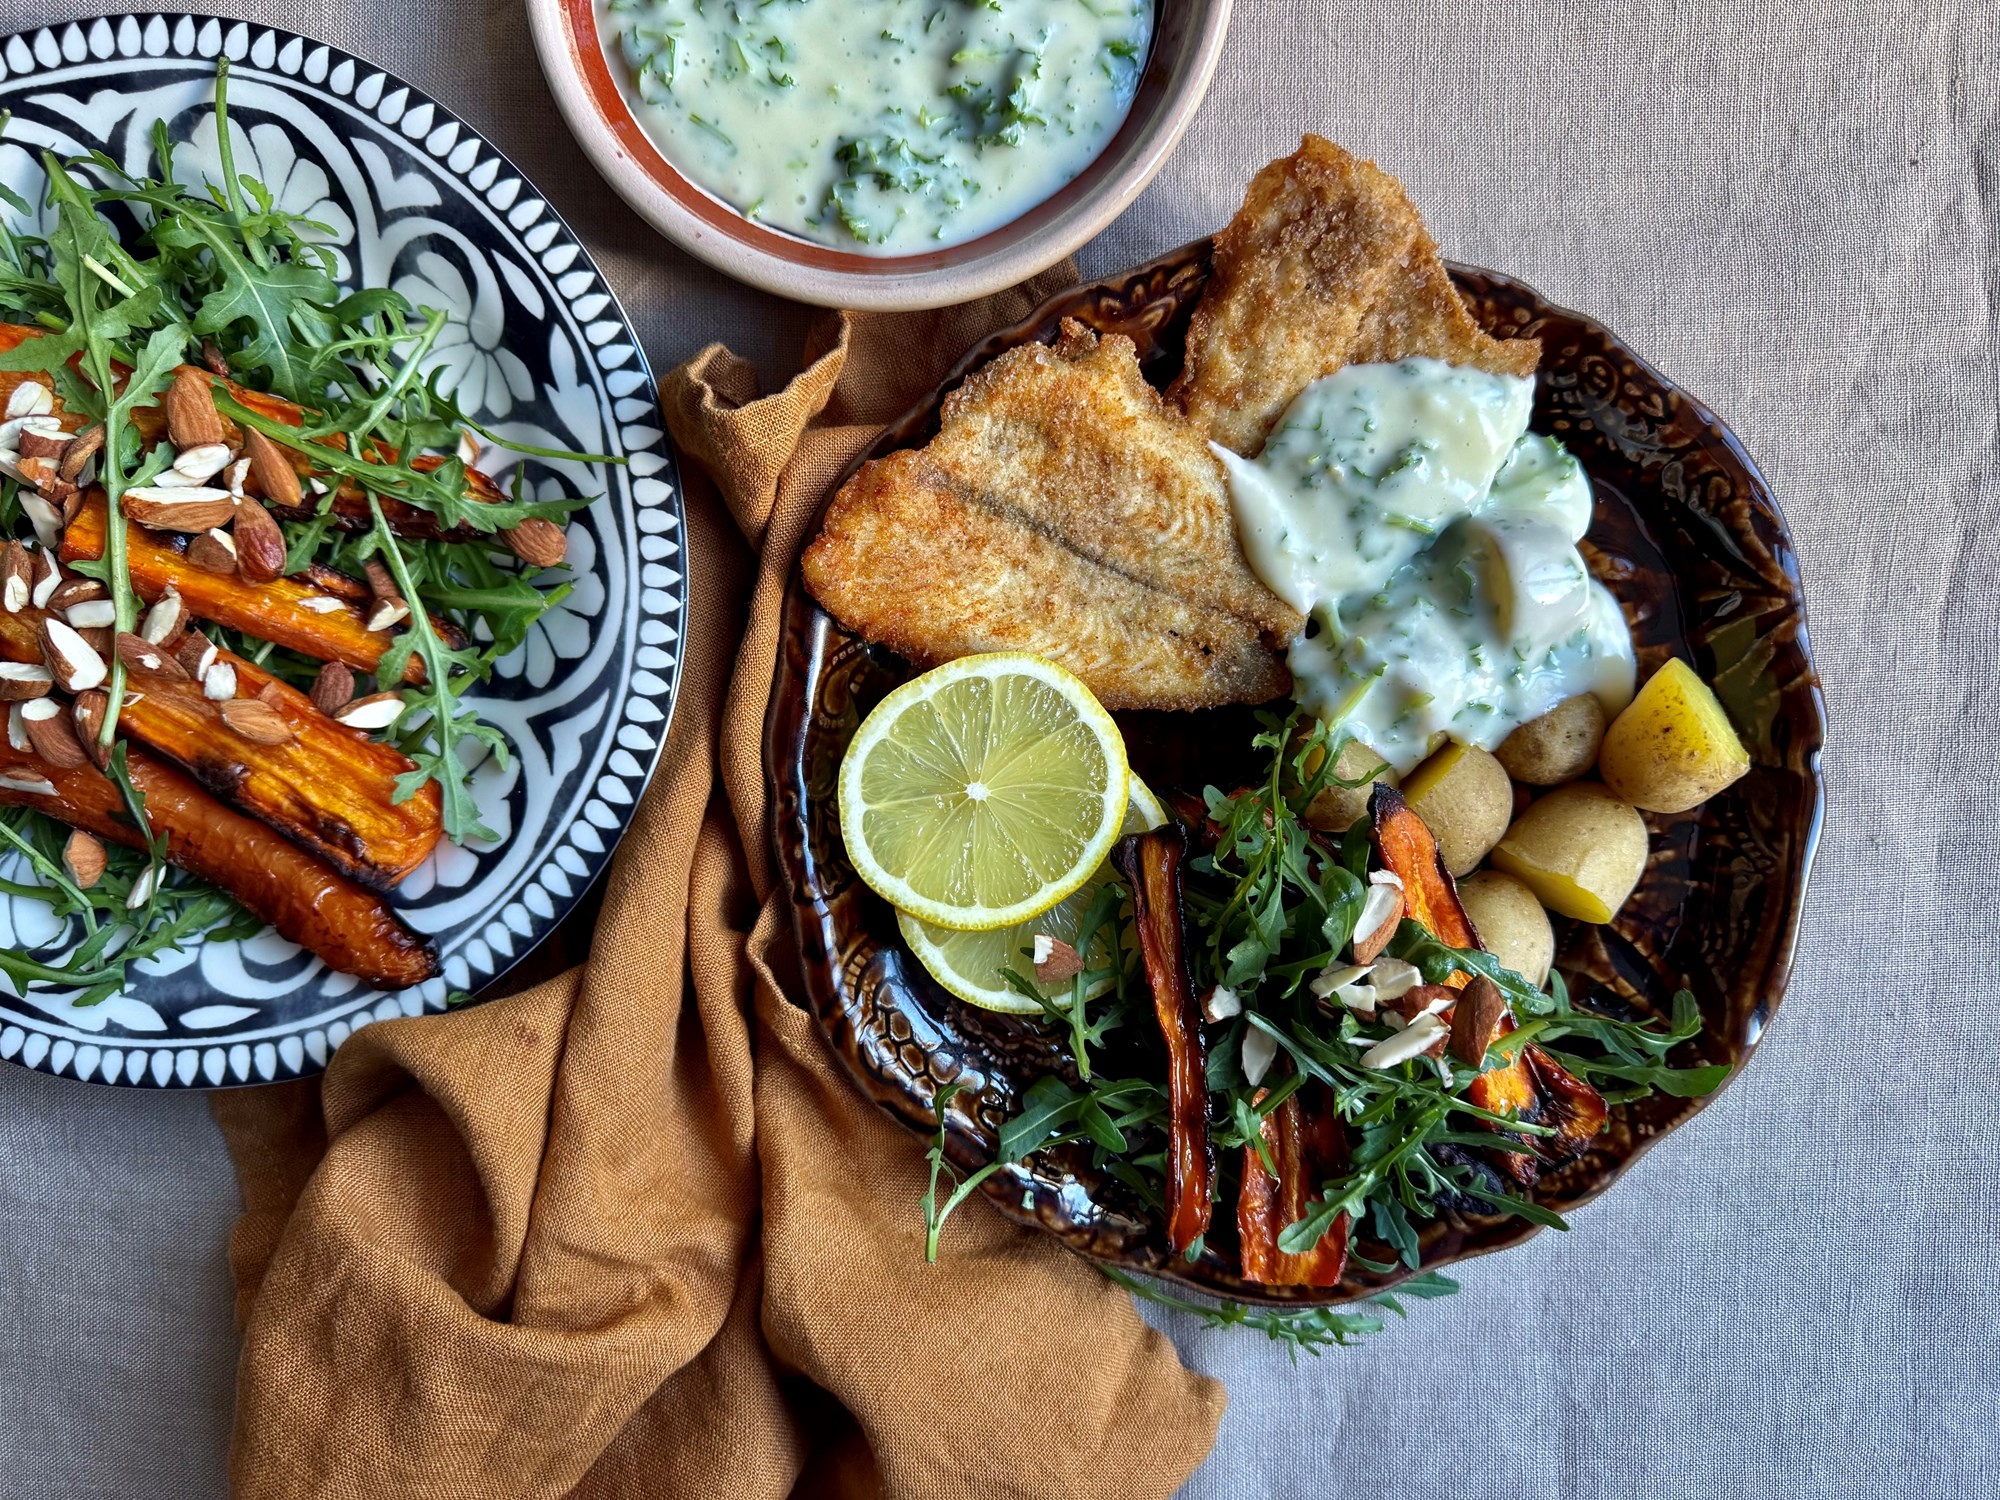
x=1307, y=1143
x=300, y=613
x=1533, y=1087
x=1151, y=863
x=353, y=930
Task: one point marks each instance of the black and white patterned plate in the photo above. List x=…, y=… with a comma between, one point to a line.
x=538, y=350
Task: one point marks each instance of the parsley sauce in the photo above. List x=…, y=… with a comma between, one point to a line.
x=1431, y=541
x=879, y=126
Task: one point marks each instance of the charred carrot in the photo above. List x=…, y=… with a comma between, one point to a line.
x=351, y=929
x=1307, y=1144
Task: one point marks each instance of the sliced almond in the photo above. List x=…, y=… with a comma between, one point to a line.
x=257, y=722
x=1056, y=962
x=203, y=462
x=81, y=450
x=319, y=604
x=17, y=577
x=271, y=466
x=1220, y=1003
x=218, y=683
x=144, y=659
x=49, y=576
x=1260, y=1050
x=233, y=479
x=74, y=591
x=333, y=689
x=17, y=730
x=260, y=545
x=388, y=614
x=1423, y=1000
x=22, y=680
x=536, y=542
x=47, y=519
x=27, y=781
x=381, y=582
x=88, y=712
x=195, y=654
x=99, y=638
x=72, y=660
x=1413, y=1040
x=48, y=442
x=163, y=622
x=192, y=419
x=376, y=711
x=1381, y=911
x=92, y=614
x=272, y=693
x=1475, y=1020
x=213, y=552
x=30, y=399
x=83, y=857
x=52, y=734
x=142, y=888
x=189, y=508
x=213, y=359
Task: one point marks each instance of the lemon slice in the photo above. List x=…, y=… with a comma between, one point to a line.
x=983, y=792
x=969, y=963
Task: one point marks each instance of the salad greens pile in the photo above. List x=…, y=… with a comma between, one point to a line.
x=129, y=277
x=1270, y=908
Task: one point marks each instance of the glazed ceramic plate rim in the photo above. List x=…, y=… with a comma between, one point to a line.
x=830, y=968
x=572, y=56
x=466, y=174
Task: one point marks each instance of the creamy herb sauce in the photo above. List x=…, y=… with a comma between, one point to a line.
x=883, y=126
x=1431, y=540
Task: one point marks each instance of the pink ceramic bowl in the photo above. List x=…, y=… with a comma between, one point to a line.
x=1186, y=43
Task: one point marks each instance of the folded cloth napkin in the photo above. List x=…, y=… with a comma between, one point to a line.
x=632, y=1232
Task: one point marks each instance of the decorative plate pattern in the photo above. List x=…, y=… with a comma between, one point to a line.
x=1686, y=535
x=538, y=350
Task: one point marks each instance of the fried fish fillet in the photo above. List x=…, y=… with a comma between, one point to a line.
x=1061, y=510
x=1325, y=265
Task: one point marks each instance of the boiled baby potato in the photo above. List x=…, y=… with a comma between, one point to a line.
x=1335, y=809
x=1674, y=747
x=1579, y=849
x=1510, y=922
x=1559, y=746
x=1465, y=799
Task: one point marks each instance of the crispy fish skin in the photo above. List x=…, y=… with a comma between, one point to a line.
x=1073, y=441
x=1326, y=264
x=907, y=560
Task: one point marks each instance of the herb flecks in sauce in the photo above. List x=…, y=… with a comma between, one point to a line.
x=1432, y=540
x=881, y=125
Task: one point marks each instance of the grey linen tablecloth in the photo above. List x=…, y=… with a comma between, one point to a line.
x=1794, y=210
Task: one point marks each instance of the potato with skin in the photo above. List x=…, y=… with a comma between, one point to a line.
x=1465, y=799
x=1559, y=746
x=1510, y=922
x=1579, y=849
x=1673, y=748
x=1336, y=808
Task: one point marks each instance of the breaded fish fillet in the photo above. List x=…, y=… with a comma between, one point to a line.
x=1062, y=509
x=908, y=560
x=1325, y=265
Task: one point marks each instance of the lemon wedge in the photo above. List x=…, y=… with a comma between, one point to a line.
x=968, y=964
x=983, y=792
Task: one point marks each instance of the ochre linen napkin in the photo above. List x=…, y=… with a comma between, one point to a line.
x=632, y=1232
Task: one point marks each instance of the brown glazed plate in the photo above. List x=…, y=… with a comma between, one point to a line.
x=1688, y=538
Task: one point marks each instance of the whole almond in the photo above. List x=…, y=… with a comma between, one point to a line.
x=260, y=545
x=333, y=689
x=191, y=508
x=73, y=662
x=81, y=450
x=52, y=734
x=22, y=680
x=88, y=711
x=213, y=552
x=143, y=659
x=1475, y=1020
x=191, y=415
x=83, y=857
x=538, y=543
x=17, y=577
x=271, y=467
x=257, y=722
